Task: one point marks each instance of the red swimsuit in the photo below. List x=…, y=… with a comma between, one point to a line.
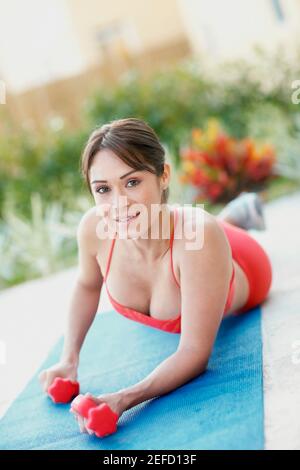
x=172, y=325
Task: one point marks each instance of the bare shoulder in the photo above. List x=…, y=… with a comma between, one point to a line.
x=87, y=231
x=200, y=233
x=194, y=221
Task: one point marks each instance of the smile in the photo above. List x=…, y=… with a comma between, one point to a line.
x=128, y=219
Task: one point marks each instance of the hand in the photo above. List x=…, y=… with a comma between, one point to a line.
x=62, y=369
x=113, y=400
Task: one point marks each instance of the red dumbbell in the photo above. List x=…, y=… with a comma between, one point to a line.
x=100, y=418
x=63, y=390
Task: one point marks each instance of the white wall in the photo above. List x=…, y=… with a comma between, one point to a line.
x=229, y=28
x=37, y=43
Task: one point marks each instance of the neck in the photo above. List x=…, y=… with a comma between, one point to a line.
x=152, y=249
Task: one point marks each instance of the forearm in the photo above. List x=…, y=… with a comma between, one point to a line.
x=176, y=370
x=82, y=311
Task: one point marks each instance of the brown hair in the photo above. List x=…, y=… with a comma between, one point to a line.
x=133, y=141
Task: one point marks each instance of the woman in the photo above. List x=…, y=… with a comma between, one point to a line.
x=157, y=280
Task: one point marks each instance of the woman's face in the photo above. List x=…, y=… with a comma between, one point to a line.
x=120, y=192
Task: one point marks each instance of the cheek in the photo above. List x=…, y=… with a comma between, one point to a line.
x=149, y=194
x=103, y=210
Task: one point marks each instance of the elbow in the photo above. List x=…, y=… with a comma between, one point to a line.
x=202, y=366
x=195, y=360
x=198, y=368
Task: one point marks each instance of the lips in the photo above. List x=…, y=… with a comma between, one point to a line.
x=126, y=219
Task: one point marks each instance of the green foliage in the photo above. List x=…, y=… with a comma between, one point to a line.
x=48, y=165
x=39, y=245
x=245, y=97
x=171, y=102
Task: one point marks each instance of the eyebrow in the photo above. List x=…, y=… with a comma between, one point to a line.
x=121, y=177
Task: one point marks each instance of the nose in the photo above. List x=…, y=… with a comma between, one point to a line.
x=119, y=204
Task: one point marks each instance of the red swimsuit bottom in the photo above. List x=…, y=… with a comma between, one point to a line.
x=246, y=251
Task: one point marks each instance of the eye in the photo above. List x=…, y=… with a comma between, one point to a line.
x=99, y=190
x=135, y=181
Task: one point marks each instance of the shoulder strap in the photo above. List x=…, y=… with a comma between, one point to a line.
x=171, y=244
x=109, y=257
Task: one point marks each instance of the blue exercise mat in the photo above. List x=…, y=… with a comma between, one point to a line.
x=220, y=409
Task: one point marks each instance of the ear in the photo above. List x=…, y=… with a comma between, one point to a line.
x=165, y=177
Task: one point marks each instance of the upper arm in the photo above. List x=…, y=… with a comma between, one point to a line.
x=204, y=278
x=89, y=273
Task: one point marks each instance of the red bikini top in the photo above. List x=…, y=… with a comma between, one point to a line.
x=173, y=325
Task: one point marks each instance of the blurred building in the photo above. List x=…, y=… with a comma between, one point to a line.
x=226, y=29
x=54, y=52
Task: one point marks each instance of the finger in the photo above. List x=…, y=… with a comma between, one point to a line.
x=74, y=401
x=80, y=419
x=77, y=419
x=73, y=411
x=81, y=424
x=81, y=428
x=89, y=395
x=49, y=379
x=89, y=430
x=77, y=416
x=74, y=376
x=77, y=398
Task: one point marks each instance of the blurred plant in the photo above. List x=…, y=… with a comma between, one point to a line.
x=282, y=129
x=220, y=167
x=47, y=164
x=38, y=246
x=176, y=99
x=167, y=101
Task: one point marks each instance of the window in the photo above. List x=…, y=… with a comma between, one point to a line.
x=277, y=9
x=119, y=40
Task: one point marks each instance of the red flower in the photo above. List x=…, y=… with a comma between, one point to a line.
x=219, y=165
x=214, y=190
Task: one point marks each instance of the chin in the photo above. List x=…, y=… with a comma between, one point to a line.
x=132, y=233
